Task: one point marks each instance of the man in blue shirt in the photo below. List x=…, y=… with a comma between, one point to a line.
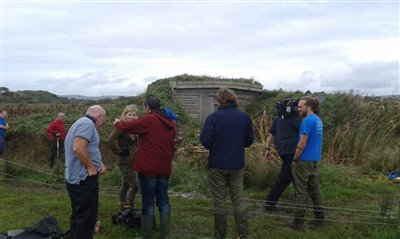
x=3, y=129
x=304, y=166
x=83, y=165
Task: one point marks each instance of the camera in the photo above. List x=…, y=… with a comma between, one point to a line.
x=287, y=108
x=129, y=216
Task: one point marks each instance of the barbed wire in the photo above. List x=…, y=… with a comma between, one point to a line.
x=22, y=179
x=30, y=167
x=51, y=174
x=282, y=205
x=53, y=185
x=58, y=186
x=288, y=204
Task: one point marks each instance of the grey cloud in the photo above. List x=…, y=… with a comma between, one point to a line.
x=47, y=40
x=91, y=83
x=369, y=75
x=376, y=78
x=305, y=81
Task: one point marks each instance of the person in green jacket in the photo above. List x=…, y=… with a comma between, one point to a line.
x=124, y=145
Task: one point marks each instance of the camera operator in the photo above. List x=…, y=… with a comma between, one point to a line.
x=284, y=131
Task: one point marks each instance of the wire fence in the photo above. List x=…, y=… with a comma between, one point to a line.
x=285, y=208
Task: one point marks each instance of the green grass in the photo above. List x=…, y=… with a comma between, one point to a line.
x=346, y=193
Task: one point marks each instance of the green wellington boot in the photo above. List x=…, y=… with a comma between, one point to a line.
x=146, y=227
x=164, y=225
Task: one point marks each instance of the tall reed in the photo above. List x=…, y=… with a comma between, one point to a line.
x=373, y=128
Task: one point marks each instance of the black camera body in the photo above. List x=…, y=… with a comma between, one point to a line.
x=129, y=216
x=287, y=108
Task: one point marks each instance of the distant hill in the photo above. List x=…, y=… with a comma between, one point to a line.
x=29, y=96
x=40, y=96
x=82, y=97
x=390, y=96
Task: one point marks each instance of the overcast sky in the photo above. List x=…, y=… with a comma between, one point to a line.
x=98, y=48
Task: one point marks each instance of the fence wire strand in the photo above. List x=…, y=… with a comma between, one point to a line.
x=281, y=205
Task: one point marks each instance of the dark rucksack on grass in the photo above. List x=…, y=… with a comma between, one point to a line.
x=46, y=228
x=130, y=217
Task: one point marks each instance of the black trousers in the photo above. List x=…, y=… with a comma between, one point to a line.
x=284, y=179
x=53, y=150
x=84, y=204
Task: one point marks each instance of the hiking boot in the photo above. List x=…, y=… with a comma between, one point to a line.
x=129, y=205
x=270, y=208
x=121, y=206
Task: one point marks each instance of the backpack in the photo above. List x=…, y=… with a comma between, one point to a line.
x=47, y=228
x=129, y=216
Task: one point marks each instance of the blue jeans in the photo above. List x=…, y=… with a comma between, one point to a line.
x=150, y=188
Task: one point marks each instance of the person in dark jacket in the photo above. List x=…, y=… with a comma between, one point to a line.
x=125, y=145
x=284, y=131
x=153, y=162
x=225, y=134
x=56, y=132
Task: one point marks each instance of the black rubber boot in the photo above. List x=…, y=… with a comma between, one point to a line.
x=147, y=223
x=220, y=225
x=164, y=225
x=242, y=224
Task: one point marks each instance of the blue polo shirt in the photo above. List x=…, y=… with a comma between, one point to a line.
x=312, y=127
x=84, y=128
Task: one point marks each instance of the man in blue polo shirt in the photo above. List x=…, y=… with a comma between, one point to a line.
x=304, y=166
x=83, y=165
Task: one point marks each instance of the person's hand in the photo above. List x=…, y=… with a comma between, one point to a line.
x=57, y=134
x=92, y=171
x=268, y=154
x=103, y=169
x=116, y=120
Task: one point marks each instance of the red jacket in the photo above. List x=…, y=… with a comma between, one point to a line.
x=56, y=126
x=156, y=144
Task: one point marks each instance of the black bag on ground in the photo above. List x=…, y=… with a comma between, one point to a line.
x=129, y=216
x=46, y=228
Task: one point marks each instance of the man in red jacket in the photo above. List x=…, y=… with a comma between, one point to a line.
x=152, y=161
x=56, y=133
